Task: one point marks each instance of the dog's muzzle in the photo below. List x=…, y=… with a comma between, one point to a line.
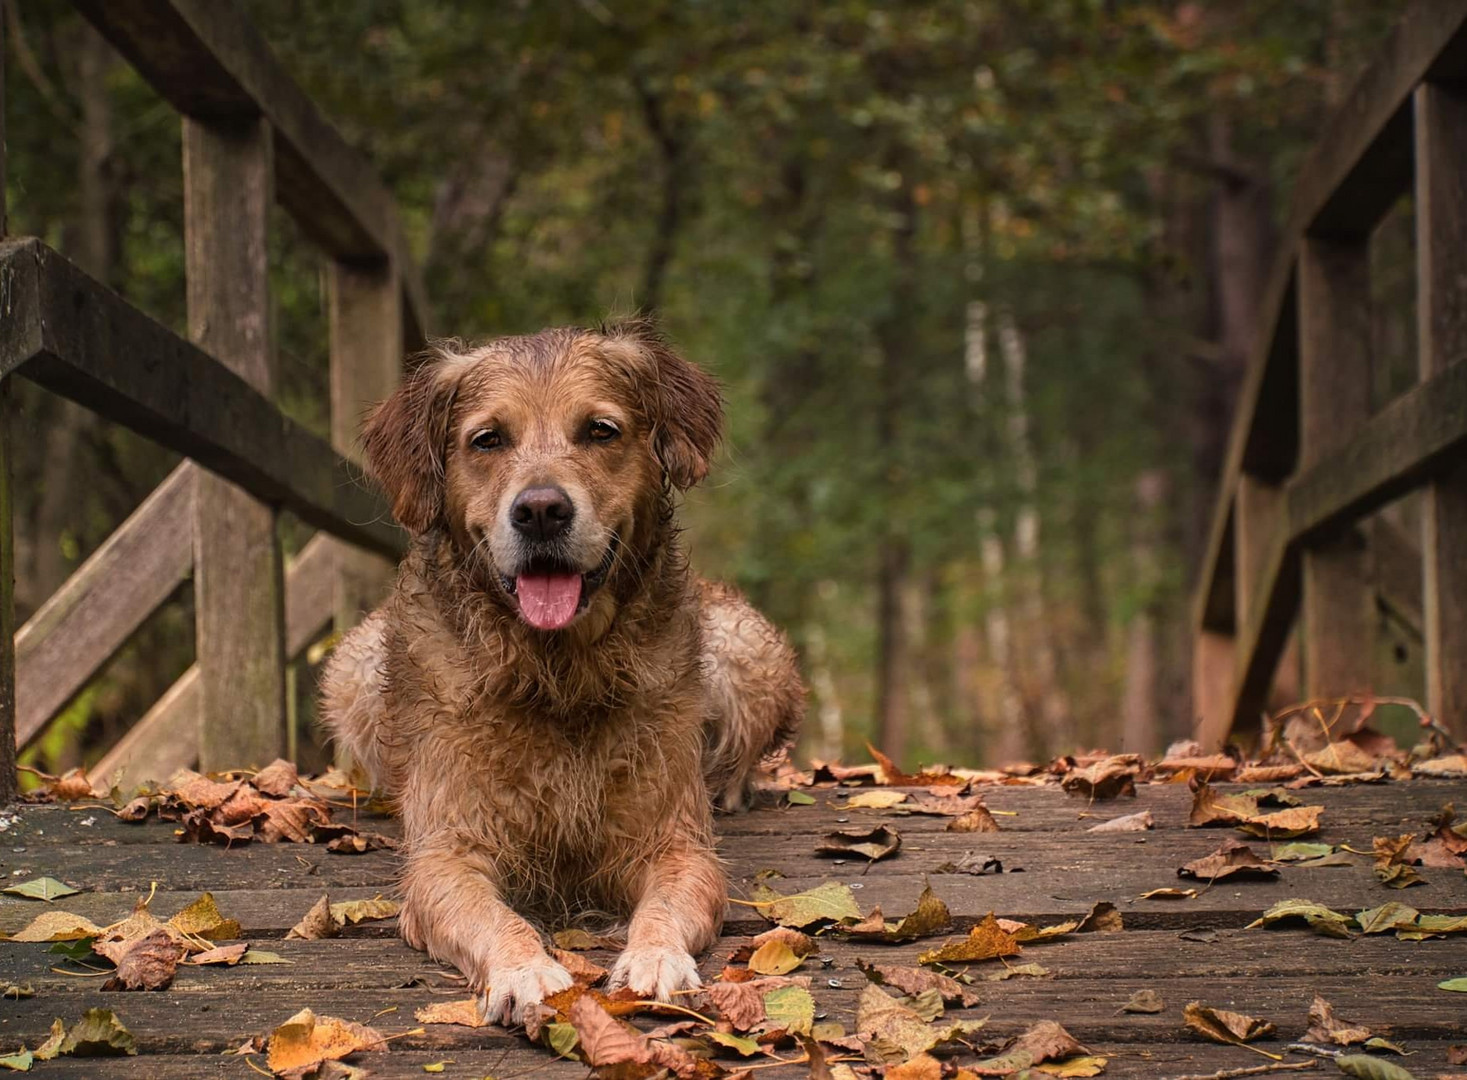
x=550, y=593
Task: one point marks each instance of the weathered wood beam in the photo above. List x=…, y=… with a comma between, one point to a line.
x=63, y=645
x=81, y=340
x=1359, y=167
x=209, y=61
x=8, y=779
x=166, y=738
x=1397, y=573
x=1441, y=253
x=239, y=582
x=1334, y=402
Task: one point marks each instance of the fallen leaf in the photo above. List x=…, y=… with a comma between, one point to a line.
x=97, y=1034
x=1233, y=859
x=971, y=863
x=1103, y=918
x=52, y=1046
x=1137, y=822
x=1365, y=1067
x=57, y=926
x=1169, y=894
x=790, y=1008
x=584, y=971
x=306, y=1040
x=977, y=819
x=1082, y=1065
x=436, y=1066
x=317, y=923
x=875, y=844
x=1014, y=971
x=1223, y=1026
x=276, y=779
x=17, y=991
x=802, y=945
x=1144, y=1001
x=1325, y=1027
x=1211, y=808
x=892, y=776
x=985, y=941
x=148, y=963
x=1300, y=851
x=1453, y=766
x=135, y=810
x=876, y=799
x=1455, y=985
x=464, y=1013
x=915, y=981
x=351, y=912
x=1106, y=779
x=830, y=902
x=1393, y=861
x=41, y=888
x=1341, y=757
x=1045, y=1041
x=20, y=1061
x=739, y=1044
x=921, y=1067
x=1319, y=918
x=257, y=956
x=931, y=916
x=202, y=919
x=1387, y=917
x=799, y=798
x=1284, y=824
x=928, y=1004
x=562, y=1038
x=228, y=955
x=774, y=958
x=742, y=1003
x=897, y=1032
x=580, y=940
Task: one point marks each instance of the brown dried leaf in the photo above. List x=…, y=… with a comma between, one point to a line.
x=930, y=916
x=583, y=970
x=464, y=1013
x=1209, y=808
x=892, y=776
x=1285, y=824
x=921, y=1067
x=1223, y=1026
x=1103, y=918
x=985, y=941
x=580, y=940
x=276, y=779
x=977, y=819
x=351, y=912
x=1144, y=1001
x=57, y=926
x=148, y=963
x=874, y=844
x=202, y=919
x=1325, y=1027
x=914, y=981
x=1107, y=779
x=1345, y=756
x=1137, y=822
x=306, y=1040
x=876, y=799
x=801, y=945
x=1233, y=859
x=228, y=955
x=317, y=923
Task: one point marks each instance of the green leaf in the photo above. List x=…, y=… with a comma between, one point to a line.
x=1299, y=851
x=1457, y=985
x=799, y=798
x=20, y=1061
x=42, y=888
x=99, y=1034
x=831, y=902
x=259, y=956
x=737, y=1043
x=562, y=1038
x=1365, y=1067
x=790, y=1007
x=1319, y=918
x=80, y=949
x=1387, y=917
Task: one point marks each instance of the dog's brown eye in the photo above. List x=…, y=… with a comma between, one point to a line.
x=485, y=440
x=602, y=430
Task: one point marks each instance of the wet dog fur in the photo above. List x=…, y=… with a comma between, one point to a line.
x=544, y=775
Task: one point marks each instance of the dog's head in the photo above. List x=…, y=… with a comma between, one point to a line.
x=546, y=457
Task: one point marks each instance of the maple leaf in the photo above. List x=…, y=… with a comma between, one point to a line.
x=985, y=941
x=1232, y=859
x=306, y=1040
x=1223, y=1026
x=1325, y=1027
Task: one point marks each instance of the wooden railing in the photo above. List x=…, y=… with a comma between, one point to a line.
x=1308, y=459
x=250, y=136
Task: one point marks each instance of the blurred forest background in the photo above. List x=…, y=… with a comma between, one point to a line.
x=980, y=278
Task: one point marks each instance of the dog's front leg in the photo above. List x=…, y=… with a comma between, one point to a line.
x=678, y=913
x=452, y=909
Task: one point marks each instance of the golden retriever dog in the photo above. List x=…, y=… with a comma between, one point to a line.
x=552, y=700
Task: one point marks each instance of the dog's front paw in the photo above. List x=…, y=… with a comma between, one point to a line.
x=513, y=989
x=655, y=971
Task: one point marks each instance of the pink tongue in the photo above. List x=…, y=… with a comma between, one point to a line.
x=548, y=601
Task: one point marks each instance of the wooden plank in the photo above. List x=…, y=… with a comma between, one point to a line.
x=7, y=529
x=1397, y=573
x=99, y=607
x=81, y=340
x=1213, y=673
x=1338, y=619
x=166, y=738
x=210, y=63
x=1259, y=512
x=239, y=582
x=366, y=360
x=1441, y=251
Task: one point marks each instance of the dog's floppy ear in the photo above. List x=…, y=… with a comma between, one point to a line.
x=683, y=403
x=405, y=440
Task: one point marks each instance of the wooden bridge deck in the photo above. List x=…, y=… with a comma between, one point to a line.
x=1186, y=950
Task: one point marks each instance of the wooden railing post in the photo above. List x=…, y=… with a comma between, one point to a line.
x=7, y=532
x=238, y=579
x=1338, y=611
x=366, y=358
x=1441, y=252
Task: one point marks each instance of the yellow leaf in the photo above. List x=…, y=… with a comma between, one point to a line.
x=774, y=958
x=57, y=926
x=307, y=1039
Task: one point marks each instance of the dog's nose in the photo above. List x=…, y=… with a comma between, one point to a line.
x=541, y=513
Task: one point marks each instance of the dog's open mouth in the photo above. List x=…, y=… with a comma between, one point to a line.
x=551, y=593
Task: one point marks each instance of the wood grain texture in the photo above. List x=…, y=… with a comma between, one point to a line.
x=239, y=582
x=105, y=600
x=1441, y=251
x=84, y=342
x=7, y=531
